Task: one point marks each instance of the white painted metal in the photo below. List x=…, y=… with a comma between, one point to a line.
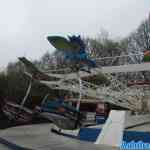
x=121, y=56
x=112, y=131
x=116, y=93
x=80, y=93
x=127, y=68
x=27, y=94
x=108, y=69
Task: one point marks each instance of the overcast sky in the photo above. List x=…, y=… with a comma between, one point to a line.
x=24, y=24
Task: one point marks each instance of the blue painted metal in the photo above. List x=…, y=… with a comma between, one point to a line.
x=74, y=50
x=136, y=136
x=100, y=119
x=88, y=134
x=52, y=106
x=91, y=134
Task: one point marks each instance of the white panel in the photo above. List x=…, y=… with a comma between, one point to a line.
x=127, y=68
x=112, y=131
x=108, y=69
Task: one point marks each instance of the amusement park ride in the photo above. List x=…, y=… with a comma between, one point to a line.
x=74, y=52
x=83, y=66
x=117, y=93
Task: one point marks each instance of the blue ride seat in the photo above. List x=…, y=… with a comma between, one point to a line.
x=51, y=105
x=55, y=105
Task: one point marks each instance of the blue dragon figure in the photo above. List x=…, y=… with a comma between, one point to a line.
x=74, y=50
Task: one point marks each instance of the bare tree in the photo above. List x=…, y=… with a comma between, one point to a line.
x=139, y=40
x=105, y=47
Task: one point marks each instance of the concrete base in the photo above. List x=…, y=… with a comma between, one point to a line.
x=39, y=137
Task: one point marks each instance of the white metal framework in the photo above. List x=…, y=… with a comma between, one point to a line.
x=116, y=93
